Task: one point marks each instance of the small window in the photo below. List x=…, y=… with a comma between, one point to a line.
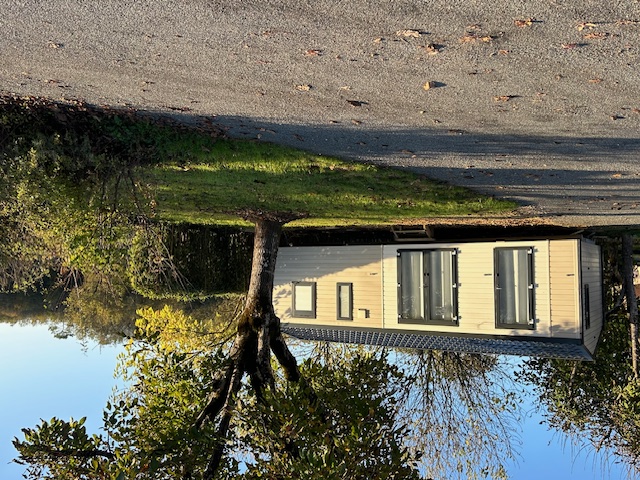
x=514, y=287
x=428, y=286
x=304, y=299
x=344, y=296
x=586, y=308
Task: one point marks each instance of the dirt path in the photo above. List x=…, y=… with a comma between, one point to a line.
x=533, y=100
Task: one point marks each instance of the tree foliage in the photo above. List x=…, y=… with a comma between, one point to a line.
x=347, y=429
x=463, y=413
x=597, y=403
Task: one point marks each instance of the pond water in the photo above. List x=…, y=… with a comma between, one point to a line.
x=44, y=376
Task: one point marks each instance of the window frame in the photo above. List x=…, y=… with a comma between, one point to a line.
x=339, y=303
x=426, y=319
x=586, y=307
x=303, y=313
x=531, y=287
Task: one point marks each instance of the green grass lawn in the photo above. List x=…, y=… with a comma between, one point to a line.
x=197, y=176
x=213, y=182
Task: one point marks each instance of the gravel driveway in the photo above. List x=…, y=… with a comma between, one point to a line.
x=536, y=100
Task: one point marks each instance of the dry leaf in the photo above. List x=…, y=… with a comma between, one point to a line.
x=503, y=98
x=635, y=110
x=503, y=52
x=303, y=88
x=583, y=25
x=616, y=175
x=595, y=80
x=429, y=85
x=432, y=48
x=569, y=46
x=409, y=33
x=527, y=22
x=597, y=35
x=378, y=40
x=312, y=52
x=472, y=37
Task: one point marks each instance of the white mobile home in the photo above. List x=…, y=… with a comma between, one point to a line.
x=527, y=297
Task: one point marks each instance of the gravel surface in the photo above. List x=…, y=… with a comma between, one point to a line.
x=536, y=100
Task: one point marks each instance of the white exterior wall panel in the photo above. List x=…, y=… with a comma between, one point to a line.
x=565, y=288
x=591, y=264
x=328, y=266
x=476, y=291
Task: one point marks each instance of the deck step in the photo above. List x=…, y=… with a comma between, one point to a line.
x=412, y=233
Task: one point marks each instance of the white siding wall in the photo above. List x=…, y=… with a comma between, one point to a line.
x=591, y=275
x=476, y=300
x=565, y=288
x=328, y=266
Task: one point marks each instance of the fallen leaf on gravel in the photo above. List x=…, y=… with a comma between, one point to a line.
x=616, y=175
x=432, y=48
x=583, y=25
x=503, y=98
x=303, y=88
x=472, y=37
x=312, y=53
x=503, y=52
x=356, y=103
x=378, y=40
x=595, y=80
x=569, y=46
x=429, y=85
x=635, y=110
x=596, y=35
x=409, y=33
x=346, y=87
x=55, y=45
x=527, y=22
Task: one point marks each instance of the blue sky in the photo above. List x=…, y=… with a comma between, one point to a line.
x=42, y=377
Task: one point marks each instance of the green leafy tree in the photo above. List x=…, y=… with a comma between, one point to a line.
x=342, y=424
x=596, y=403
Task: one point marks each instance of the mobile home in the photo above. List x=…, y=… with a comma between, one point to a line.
x=538, y=297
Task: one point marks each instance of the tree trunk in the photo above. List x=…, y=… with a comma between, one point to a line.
x=632, y=302
x=258, y=335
